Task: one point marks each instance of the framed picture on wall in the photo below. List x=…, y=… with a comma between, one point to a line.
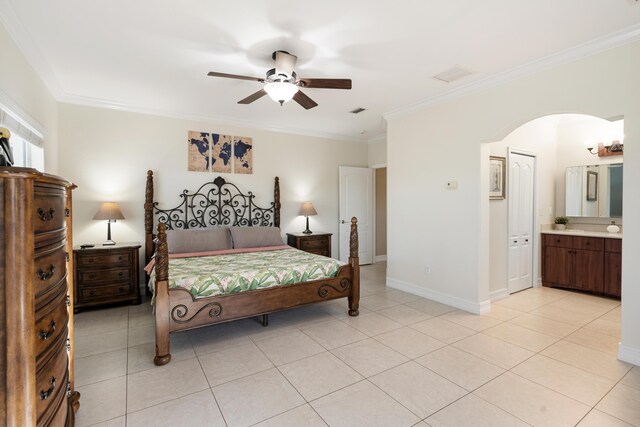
x=497, y=177
x=592, y=186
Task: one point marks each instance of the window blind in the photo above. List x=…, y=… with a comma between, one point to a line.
x=18, y=127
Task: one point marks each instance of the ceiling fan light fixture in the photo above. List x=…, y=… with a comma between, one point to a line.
x=281, y=91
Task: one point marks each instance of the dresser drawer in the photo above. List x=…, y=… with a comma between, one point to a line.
x=97, y=277
x=589, y=243
x=48, y=209
x=50, y=325
x=104, y=292
x=50, y=269
x=51, y=384
x=317, y=243
x=558, y=241
x=104, y=259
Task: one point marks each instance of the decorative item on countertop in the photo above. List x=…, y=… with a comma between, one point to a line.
x=561, y=222
x=307, y=210
x=111, y=212
x=613, y=228
x=6, y=155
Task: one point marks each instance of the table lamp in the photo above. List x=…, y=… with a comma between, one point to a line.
x=307, y=210
x=111, y=212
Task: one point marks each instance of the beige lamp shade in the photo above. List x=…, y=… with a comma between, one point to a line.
x=109, y=211
x=307, y=209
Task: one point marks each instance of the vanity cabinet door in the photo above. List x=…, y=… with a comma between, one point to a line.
x=558, y=265
x=588, y=270
x=613, y=274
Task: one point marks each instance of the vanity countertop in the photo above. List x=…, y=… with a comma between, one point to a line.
x=584, y=233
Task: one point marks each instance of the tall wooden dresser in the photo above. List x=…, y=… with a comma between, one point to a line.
x=36, y=319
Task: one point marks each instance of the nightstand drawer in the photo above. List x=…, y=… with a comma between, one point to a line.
x=106, y=259
x=96, y=277
x=315, y=243
x=109, y=292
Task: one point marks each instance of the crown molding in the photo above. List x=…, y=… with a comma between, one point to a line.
x=11, y=22
x=619, y=38
x=216, y=119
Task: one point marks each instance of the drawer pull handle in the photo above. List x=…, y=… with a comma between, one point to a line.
x=119, y=258
x=46, y=215
x=120, y=274
x=92, y=276
x=92, y=293
x=46, y=335
x=558, y=241
x=89, y=260
x=44, y=395
x=46, y=275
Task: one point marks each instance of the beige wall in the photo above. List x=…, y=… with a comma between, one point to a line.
x=22, y=91
x=107, y=153
x=381, y=211
x=377, y=152
x=450, y=229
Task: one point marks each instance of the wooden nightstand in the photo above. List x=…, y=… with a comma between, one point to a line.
x=316, y=243
x=106, y=275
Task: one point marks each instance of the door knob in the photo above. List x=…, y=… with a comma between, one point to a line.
x=342, y=221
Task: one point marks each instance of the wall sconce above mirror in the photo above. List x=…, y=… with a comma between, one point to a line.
x=607, y=148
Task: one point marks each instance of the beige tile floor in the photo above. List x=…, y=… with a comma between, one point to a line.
x=541, y=357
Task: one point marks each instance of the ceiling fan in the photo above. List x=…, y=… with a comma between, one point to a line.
x=282, y=83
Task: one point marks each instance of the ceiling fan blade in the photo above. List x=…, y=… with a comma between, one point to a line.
x=234, y=76
x=302, y=99
x=285, y=62
x=326, y=83
x=253, y=97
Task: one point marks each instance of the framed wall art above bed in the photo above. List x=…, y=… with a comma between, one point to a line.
x=219, y=257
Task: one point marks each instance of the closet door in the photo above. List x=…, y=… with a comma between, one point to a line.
x=521, y=206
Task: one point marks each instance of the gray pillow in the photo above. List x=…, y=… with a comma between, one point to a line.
x=198, y=240
x=255, y=237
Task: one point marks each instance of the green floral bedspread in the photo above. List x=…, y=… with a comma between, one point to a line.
x=227, y=274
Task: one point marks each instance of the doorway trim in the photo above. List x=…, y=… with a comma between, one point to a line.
x=376, y=258
x=535, y=262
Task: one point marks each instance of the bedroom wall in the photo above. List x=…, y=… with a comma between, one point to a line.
x=377, y=152
x=540, y=137
x=107, y=154
x=23, y=92
x=449, y=230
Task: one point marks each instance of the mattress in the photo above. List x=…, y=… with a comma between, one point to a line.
x=229, y=273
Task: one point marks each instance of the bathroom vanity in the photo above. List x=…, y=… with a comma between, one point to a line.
x=581, y=260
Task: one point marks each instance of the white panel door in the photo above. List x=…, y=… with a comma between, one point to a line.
x=521, y=219
x=356, y=199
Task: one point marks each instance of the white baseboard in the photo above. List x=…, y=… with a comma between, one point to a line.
x=629, y=354
x=380, y=258
x=461, y=303
x=499, y=294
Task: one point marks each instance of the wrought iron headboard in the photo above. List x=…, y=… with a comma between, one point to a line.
x=215, y=203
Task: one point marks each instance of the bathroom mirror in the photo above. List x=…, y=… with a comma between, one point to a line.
x=594, y=191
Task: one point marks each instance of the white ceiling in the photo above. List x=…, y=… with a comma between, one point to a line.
x=153, y=55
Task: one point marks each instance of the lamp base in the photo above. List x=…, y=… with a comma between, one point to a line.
x=109, y=243
x=307, y=231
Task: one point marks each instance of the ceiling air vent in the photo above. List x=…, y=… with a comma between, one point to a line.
x=357, y=110
x=452, y=74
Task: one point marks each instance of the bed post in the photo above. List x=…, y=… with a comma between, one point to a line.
x=148, y=219
x=163, y=355
x=276, y=202
x=354, y=260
